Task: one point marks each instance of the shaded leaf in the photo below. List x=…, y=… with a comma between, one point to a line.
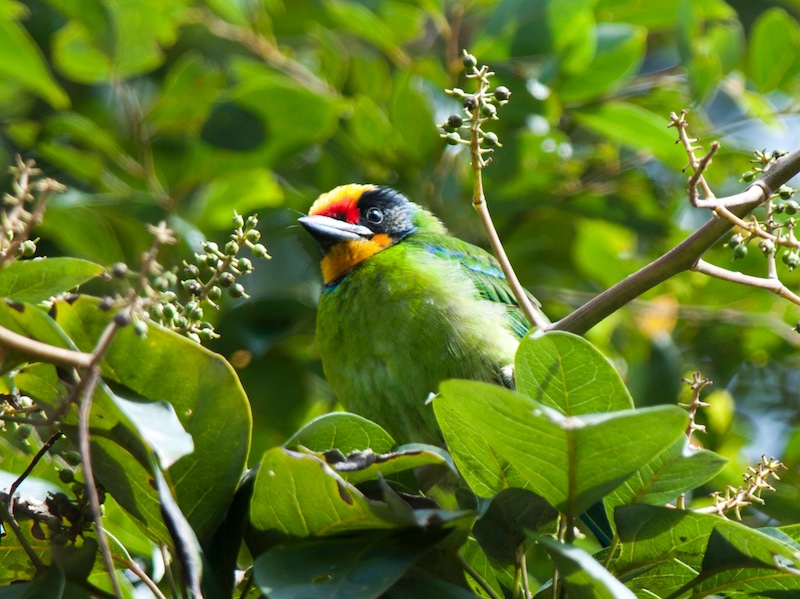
x=359, y=567
x=583, y=576
x=504, y=526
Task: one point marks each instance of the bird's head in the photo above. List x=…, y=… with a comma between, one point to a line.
x=354, y=222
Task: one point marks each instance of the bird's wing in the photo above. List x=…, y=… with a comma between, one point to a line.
x=484, y=272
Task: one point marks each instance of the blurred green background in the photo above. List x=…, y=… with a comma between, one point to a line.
x=187, y=110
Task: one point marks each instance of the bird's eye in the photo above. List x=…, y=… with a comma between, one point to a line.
x=374, y=216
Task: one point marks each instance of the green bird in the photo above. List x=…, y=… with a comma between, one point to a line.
x=404, y=306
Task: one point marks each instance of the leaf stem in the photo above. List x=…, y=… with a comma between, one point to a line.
x=476, y=577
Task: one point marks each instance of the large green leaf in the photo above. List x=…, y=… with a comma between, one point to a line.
x=620, y=51
x=725, y=554
x=37, y=280
x=300, y=495
x=770, y=65
x=22, y=62
x=635, y=127
x=566, y=372
x=677, y=470
x=501, y=439
x=201, y=387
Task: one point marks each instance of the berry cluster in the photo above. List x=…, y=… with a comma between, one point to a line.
x=479, y=107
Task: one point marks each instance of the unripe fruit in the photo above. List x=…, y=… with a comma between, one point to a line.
x=469, y=61
x=66, y=475
x=739, y=251
x=490, y=139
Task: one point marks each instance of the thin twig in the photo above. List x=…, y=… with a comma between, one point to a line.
x=533, y=314
x=523, y=563
x=476, y=577
x=39, y=455
x=142, y=575
x=773, y=285
x=88, y=473
x=44, y=352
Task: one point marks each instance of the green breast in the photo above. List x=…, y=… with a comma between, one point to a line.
x=399, y=324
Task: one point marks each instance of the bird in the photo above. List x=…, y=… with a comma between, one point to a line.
x=405, y=305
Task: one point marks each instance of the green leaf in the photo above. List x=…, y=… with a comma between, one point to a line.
x=300, y=495
x=204, y=391
x=679, y=469
x=359, y=567
x=566, y=372
x=363, y=23
x=159, y=427
x=770, y=62
x=501, y=439
x=583, y=576
x=620, y=51
x=49, y=583
x=427, y=588
x=726, y=552
x=37, y=280
x=22, y=62
x=635, y=127
x=343, y=431
x=503, y=527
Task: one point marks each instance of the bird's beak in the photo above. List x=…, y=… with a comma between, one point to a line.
x=330, y=231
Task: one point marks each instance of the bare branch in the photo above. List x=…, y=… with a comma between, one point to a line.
x=770, y=283
x=43, y=351
x=683, y=256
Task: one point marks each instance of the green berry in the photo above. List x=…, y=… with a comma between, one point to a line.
x=73, y=458
x=259, y=251
x=23, y=431
x=252, y=222
x=244, y=265
x=785, y=192
x=28, y=248
x=140, y=328
x=453, y=138
x=192, y=271
x=791, y=207
x=490, y=139
x=236, y=291
x=748, y=176
x=231, y=248
x=470, y=62
x=170, y=311
x=214, y=293
x=253, y=236
x=739, y=251
x=489, y=110
x=194, y=311
x=735, y=240
x=211, y=247
x=66, y=475
x=238, y=221
x=766, y=246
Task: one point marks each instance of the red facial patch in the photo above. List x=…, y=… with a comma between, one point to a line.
x=340, y=203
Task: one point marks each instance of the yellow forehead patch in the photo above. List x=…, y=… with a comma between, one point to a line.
x=340, y=202
x=346, y=255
